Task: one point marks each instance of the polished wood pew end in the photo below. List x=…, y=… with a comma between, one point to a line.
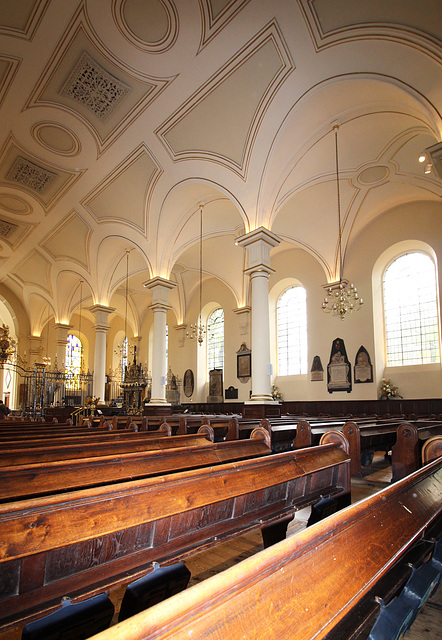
x=407, y=450
x=76, y=621
x=160, y=584
x=431, y=449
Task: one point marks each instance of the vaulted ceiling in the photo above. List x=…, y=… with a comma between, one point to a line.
x=120, y=117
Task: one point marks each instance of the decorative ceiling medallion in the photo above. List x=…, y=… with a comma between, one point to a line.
x=6, y=228
x=14, y=204
x=374, y=175
x=151, y=26
x=94, y=87
x=56, y=138
x=31, y=175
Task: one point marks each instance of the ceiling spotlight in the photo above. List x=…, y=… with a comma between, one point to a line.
x=428, y=168
x=422, y=157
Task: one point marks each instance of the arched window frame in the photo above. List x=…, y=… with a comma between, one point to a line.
x=215, y=340
x=422, y=311
x=73, y=360
x=291, y=340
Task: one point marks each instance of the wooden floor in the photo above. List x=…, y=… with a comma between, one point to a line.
x=427, y=625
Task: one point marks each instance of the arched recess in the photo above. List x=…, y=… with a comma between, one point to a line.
x=201, y=381
x=178, y=241
x=82, y=320
x=8, y=378
x=8, y=318
x=288, y=164
x=391, y=123
x=405, y=377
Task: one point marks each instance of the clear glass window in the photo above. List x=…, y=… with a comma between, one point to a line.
x=291, y=328
x=411, y=311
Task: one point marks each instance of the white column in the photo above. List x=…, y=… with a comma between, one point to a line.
x=160, y=288
x=61, y=340
x=258, y=244
x=34, y=349
x=101, y=328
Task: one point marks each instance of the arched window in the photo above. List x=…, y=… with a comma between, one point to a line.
x=215, y=340
x=291, y=330
x=410, y=311
x=124, y=354
x=73, y=361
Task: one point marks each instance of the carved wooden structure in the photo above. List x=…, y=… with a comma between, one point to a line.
x=24, y=481
x=53, y=451
x=406, y=451
x=83, y=542
x=319, y=584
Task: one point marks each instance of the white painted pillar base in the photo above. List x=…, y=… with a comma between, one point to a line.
x=101, y=328
x=258, y=244
x=160, y=288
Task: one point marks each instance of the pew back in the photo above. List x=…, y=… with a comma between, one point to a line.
x=274, y=595
x=26, y=481
x=82, y=542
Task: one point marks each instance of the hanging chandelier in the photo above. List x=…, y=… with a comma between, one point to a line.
x=341, y=297
x=198, y=330
x=79, y=332
x=46, y=357
x=124, y=349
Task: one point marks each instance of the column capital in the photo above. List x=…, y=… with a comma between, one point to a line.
x=259, y=270
x=101, y=307
x=102, y=314
x=160, y=288
x=159, y=306
x=63, y=325
x=258, y=243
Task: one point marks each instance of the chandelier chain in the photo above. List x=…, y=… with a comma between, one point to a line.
x=341, y=298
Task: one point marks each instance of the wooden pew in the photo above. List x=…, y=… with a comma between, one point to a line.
x=36, y=427
x=80, y=543
x=57, y=477
x=319, y=584
x=87, y=437
x=120, y=422
x=225, y=427
x=432, y=449
x=161, y=440
x=406, y=451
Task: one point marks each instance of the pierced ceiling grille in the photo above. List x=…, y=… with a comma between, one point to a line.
x=31, y=175
x=6, y=228
x=94, y=87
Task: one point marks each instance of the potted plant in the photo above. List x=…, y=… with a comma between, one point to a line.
x=388, y=390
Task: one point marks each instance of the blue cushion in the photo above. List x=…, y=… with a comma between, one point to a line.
x=76, y=621
x=158, y=585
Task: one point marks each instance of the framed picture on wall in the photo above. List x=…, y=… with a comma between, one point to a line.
x=188, y=383
x=243, y=363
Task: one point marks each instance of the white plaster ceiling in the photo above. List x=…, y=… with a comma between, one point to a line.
x=120, y=117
